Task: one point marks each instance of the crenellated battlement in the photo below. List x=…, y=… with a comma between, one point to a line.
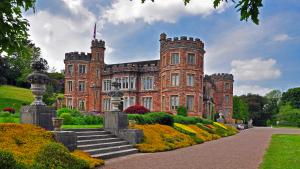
x=97, y=43
x=222, y=76
x=78, y=56
x=182, y=42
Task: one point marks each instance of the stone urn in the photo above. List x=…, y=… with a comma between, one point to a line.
x=57, y=123
x=38, y=80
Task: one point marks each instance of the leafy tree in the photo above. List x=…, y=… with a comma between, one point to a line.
x=247, y=8
x=257, y=111
x=13, y=27
x=240, y=109
x=289, y=116
x=272, y=105
x=21, y=64
x=292, y=96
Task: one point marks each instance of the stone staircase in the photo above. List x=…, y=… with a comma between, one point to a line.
x=102, y=144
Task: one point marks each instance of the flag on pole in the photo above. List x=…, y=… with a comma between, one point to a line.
x=95, y=31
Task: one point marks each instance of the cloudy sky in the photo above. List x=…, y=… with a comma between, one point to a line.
x=262, y=58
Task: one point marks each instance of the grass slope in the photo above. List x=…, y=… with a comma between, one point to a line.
x=283, y=153
x=11, y=96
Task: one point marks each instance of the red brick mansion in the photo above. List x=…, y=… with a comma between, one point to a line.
x=159, y=85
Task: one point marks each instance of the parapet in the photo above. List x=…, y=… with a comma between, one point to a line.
x=222, y=76
x=78, y=56
x=182, y=42
x=97, y=43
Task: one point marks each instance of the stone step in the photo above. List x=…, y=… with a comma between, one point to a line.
x=95, y=141
x=101, y=145
x=115, y=153
x=109, y=149
x=91, y=137
x=87, y=133
x=85, y=129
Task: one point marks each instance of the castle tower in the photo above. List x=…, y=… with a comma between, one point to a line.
x=181, y=73
x=223, y=95
x=96, y=67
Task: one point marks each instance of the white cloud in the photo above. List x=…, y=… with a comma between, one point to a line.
x=281, y=38
x=57, y=34
x=255, y=69
x=254, y=89
x=125, y=11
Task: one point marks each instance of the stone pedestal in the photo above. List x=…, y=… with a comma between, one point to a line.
x=67, y=138
x=39, y=115
x=116, y=122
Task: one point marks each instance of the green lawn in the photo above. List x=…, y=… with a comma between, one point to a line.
x=283, y=152
x=81, y=126
x=14, y=97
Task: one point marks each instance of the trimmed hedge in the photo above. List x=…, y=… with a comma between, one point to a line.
x=187, y=120
x=152, y=118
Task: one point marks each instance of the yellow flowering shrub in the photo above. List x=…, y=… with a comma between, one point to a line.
x=220, y=125
x=185, y=129
x=202, y=134
x=93, y=162
x=23, y=140
x=162, y=138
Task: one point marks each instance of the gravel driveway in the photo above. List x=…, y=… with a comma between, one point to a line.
x=242, y=151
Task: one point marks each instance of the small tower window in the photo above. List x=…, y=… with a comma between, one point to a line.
x=97, y=56
x=191, y=59
x=190, y=80
x=82, y=69
x=175, y=58
x=81, y=86
x=175, y=79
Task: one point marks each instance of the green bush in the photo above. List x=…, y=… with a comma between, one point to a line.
x=55, y=155
x=140, y=119
x=5, y=114
x=187, y=120
x=182, y=111
x=90, y=119
x=7, y=160
x=63, y=110
x=161, y=118
x=206, y=121
x=78, y=120
x=67, y=118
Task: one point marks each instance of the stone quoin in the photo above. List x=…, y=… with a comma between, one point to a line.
x=176, y=79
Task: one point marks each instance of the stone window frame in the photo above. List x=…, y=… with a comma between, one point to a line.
x=97, y=72
x=186, y=101
x=142, y=82
x=175, y=106
x=67, y=102
x=163, y=103
x=187, y=58
x=104, y=86
x=134, y=82
x=142, y=101
x=171, y=54
x=226, y=86
x=79, y=104
x=104, y=108
x=85, y=70
x=84, y=89
x=128, y=98
x=67, y=72
x=187, y=79
x=67, y=86
x=171, y=74
x=227, y=101
x=121, y=79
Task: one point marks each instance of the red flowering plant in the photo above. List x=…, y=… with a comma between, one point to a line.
x=136, y=109
x=9, y=109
